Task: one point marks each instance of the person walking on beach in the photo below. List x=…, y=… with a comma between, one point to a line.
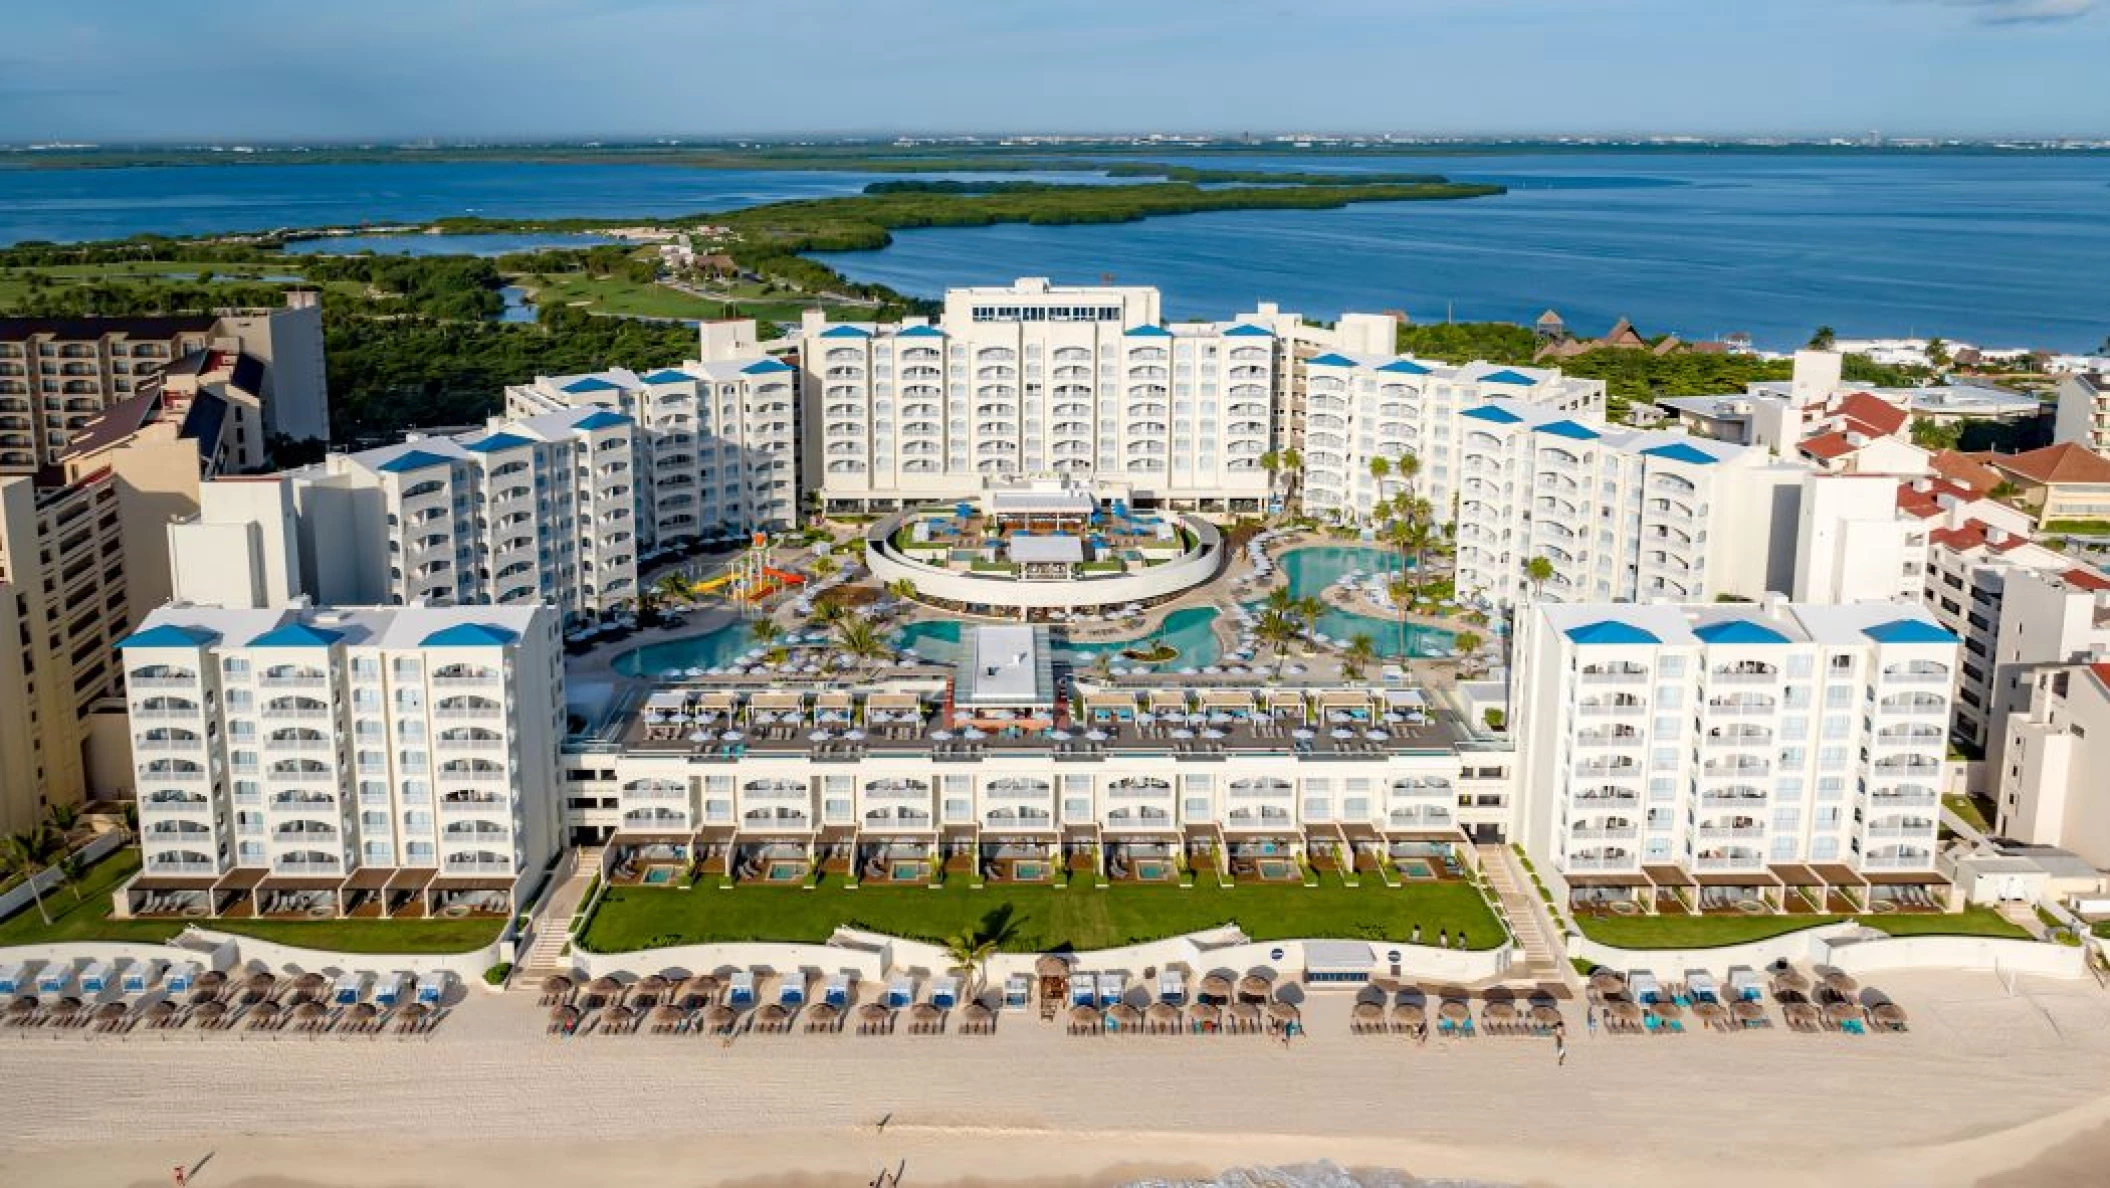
x=1560, y=1045
x=1590, y=1021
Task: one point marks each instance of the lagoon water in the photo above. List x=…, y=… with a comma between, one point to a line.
x=2003, y=249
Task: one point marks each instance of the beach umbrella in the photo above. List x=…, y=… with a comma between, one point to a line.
x=201, y=996
x=260, y=982
x=66, y=1008
x=1790, y=978
x=364, y=1011
x=414, y=1011
x=1889, y=1014
x=1455, y=1010
x=1840, y=982
x=1545, y=1015
x=211, y=979
x=1710, y=1011
x=110, y=1012
x=1281, y=1012
x=871, y=1012
x=1668, y=1010
x=310, y=1010
x=1625, y=1010
x=651, y=984
x=772, y=1013
x=1162, y=1013
x=261, y=1013
x=556, y=984
x=618, y=1016
x=1369, y=1011
x=309, y=983
x=1081, y=1014
x=668, y=1015
x=1202, y=1012
x=1254, y=986
x=1499, y=1011
x=1604, y=981
x=718, y=1018
x=25, y=1005
x=826, y=1012
x=700, y=984
x=1216, y=986
x=1748, y=1011
x=209, y=1010
x=1408, y=1014
x=1243, y=1011
x=1840, y=1012
x=606, y=985
x=1051, y=966
x=160, y=1010
x=564, y=1016
x=1124, y=1015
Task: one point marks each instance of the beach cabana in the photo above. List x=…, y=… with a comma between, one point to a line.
x=54, y=978
x=945, y=993
x=96, y=978
x=740, y=991
x=432, y=987
x=900, y=992
x=1645, y=988
x=350, y=988
x=1084, y=990
x=1111, y=987
x=1172, y=986
x=388, y=990
x=1745, y=985
x=1018, y=992
x=138, y=976
x=792, y=993
x=12, y=977
x=837, y=992
x=1701, y=986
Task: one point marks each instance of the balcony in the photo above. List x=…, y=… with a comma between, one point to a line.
x=1750, y=862
x=1615, y=833
x=1615, y=677
x=1628, y=863
x=1745, y=803
x=1903, y=800
x=1731, y=833
x=1591, y=802
x=1922, y=831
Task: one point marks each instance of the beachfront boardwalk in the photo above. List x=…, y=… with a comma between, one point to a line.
x=1985, y=1079
x=1541, y=954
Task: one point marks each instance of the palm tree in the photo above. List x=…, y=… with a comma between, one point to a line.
x=860, y=640
x=1292, y=463
x=31, y=854
x=1280, y=599
x=971, y=950
x=1407, y=468
x=1361, y=651
x=1277, y=629
x=766, y=631
x=1468, y=646
x=64, y=817
x=823, y=566
x=1309, y=609
x=1380, y=469
x=1538, y=571
x=830, y=612
x=902, y=588
x=1272, y=463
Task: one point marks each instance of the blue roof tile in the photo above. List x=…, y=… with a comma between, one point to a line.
x=592, y=383
x=1908, y=631
x=1678, y=451
x=765, y=367
x=845, y=332
x=1241, y=330
x=1330, y=359
x=1611, y=631
x=410, y=460
x=1492, y=412
x=601, y=419
x=497, y=442
x=470, y=635
x=1404, y=367
x=1739, y=631
x=923, y=331
x=669, y=375
x=1569, y=430
x=1148, y=332
x=168, y=635
x=1508, y=377
x=296, y=635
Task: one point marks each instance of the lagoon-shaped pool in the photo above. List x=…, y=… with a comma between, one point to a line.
x=1190, y=632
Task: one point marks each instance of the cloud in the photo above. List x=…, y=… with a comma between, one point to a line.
x=2025, y=12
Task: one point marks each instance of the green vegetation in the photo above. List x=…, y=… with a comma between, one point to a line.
x=2078, y=527
x=1976, y=813
x=86, y=917
x=1707, y=932
x=1041, y=918
x=497, y=974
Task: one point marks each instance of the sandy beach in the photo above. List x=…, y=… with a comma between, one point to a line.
x=1988, y=1087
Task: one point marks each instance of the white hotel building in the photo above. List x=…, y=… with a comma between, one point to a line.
x=1038, y=378
x=402, y=756
x=1734, y=752
x=1623, y=515
x=1359, y=407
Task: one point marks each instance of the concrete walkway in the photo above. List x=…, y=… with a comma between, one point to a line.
x=547, y=954
x=1543, y=954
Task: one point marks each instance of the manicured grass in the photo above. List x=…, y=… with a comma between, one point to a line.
x=88, y=919
x=618, y=295
x=1972, y=810
x=1047, y=918
x=1708, y=932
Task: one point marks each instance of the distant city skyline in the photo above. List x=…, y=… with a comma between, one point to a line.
x=390, y=70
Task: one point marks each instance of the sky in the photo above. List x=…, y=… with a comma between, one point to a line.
x=351, y=70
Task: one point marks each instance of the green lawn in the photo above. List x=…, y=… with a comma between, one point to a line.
x=88, y=919
x=1047, y=918
x=1708, y=932
x=1972, y=810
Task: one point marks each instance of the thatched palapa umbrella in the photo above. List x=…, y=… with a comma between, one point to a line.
x=203, y=995
x=158, y=1012
x=618, y=1016
x=1081, y=1015
x=1456, y=1010
x=309, y=983
x=1606, y=981
x=720, y=1018
x=1282, y=1012
x=668, y=1016
x=1124, y=1016
x=828, y=1012
x=1051, y=966
x=1254, y=986
x=1625, y=1010
x=1244, y=1012
x=923, y=1012
x=364, y=1012
x=412, y=1012
x=1747, y=1011
x=1790, y=978
x=211, y=979
x=606, y=986
x=309, y=1011
x=1500, y=1011
x=25, y=1005
x=259, y=983
x=1409, y=1014
x=1840, y=982
x=874, y=1012
x=1545, y=1015
x=1216, y=986
x=1368, y=1012
x=1203, y=1012
x=1162, y=1015
x=1889, y=1014
x=1668, y=1010
x=564, y=1016
x=1710, y=1012
x=110, y=1012
x=211, y=1010
x=66, y=1008
x=556, y=984
x=1840, y=1012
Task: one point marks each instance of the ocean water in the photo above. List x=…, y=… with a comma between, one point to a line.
x=1323, y=1174
x=1994, y=249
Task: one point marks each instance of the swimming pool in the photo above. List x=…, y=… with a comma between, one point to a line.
x=907, y=872
x=1277, y=869
x=1191, y=632
x=1310, y=570
x=659, y=876
x=713, y=649
x=1415, y=868
x=1154, y=872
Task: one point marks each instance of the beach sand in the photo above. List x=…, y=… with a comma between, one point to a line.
x=1987, y=1087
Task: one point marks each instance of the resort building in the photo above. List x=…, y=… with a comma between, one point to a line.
x=1362, y=408
x=537, y=511
x=717, y=437
x=2065, y=483
x=1622, y=515
x=261, y=370
x=1037, y=379
x=993, y=765
x=2084, y=411
x=301, y=762
x=2039, y=619
x=1854, y=542
x=2050, y=789
x=1785, y=756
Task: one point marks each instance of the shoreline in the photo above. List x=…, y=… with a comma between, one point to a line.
x=1988, y=1087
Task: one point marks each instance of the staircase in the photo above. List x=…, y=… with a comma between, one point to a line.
x=546, y=954
x=1542, y=954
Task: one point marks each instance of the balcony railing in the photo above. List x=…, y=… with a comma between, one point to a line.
x=1619, y=833
x=1731, y=832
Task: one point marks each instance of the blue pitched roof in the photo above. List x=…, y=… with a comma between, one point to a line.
x=1678, y=451
x=1148, y=332
x=1492, y=412
x=470, y=635
x=1330, y=359
x=411, y=460
x=592, y=383
x=602, y=419
x=1404, y=367
x=168, y=635
x=1241, y=330
x=497, y=442
x=1507, y=377
x=1611, y=631
x=845, y=332
x=1570, y=430
x=923, y=331
x=1739, y=631
x=765, y=366
x=669, y=375
x=1908, y=631
x=296, y=635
